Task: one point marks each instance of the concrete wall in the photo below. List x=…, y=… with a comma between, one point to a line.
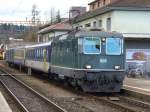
x=48, y=36
x=102, y=17
x=131, y=21
x=132, y=24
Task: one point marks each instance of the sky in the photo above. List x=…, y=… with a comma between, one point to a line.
x=16, y=10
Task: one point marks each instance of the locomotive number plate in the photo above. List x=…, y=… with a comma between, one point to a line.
x=103, y=60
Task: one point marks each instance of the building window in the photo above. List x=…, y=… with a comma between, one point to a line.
x=88, y=25
x=108, y=24
x=94, y=24
x=93, y=6
x=98, y=4
x=76, y=27
x=104, y=2
x=81, y=26
x=100, y=23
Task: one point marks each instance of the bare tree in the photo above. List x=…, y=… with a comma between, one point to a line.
x=31, y=36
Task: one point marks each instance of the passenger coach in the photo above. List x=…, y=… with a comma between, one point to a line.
x=38, y=57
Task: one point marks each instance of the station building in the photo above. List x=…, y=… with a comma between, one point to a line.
x=46, y=34
x=129, y=17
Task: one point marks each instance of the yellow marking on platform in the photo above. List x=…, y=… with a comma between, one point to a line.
x=139, y=80
x=137, y=88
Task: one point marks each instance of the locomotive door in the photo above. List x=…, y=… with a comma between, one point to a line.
x=75, y=52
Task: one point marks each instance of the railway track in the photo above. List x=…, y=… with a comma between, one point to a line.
x=124, y=104
x=27, y=98
x=139, y=105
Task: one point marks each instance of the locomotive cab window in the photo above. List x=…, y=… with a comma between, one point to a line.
x=114, y=46
x=91, y=45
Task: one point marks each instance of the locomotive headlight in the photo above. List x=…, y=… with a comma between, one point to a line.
x=117, y=67
x=103, y=39
x=88, y=66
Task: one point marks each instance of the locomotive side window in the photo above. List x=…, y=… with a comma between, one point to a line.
x=92, y=45
x=80, y=45
x=113, y=46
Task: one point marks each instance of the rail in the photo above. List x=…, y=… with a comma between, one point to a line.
x=25, y=95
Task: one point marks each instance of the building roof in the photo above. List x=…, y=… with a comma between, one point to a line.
x=92, y=2
x=62, y=26
x=133, y=5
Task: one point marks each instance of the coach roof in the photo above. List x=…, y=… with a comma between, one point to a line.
x=39, y=45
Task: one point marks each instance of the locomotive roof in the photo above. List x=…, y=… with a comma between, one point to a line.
x=98, y=33
x=39, y=45
x=87, y=33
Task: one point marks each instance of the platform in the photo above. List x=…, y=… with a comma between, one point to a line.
x=4, y=107
x=139, y=85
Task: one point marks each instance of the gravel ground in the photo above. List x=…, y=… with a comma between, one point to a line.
x=26, y=97
x=65, y=98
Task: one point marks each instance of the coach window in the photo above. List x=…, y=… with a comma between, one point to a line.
x=35, y=54
x=29, y=54
x=38, y=54
x=47, y=54
x=32, y=54
x=42, y=54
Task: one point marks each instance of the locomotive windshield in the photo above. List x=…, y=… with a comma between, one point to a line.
x=91, y=45
x=114, y=46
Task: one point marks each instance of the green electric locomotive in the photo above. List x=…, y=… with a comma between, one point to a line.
x=92, y=60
